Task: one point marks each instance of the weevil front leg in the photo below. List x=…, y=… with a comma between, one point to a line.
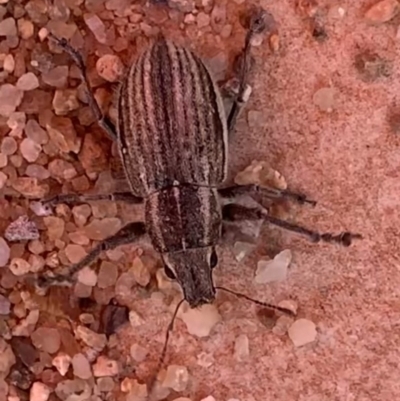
x=230, y=193
x=102, y=120
x=73, y=199
x=129, y=234
x=257, y=25
x=233, y=212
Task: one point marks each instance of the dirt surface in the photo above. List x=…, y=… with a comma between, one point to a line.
x=324, y=112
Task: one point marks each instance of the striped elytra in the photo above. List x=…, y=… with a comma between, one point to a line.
x=171, y=121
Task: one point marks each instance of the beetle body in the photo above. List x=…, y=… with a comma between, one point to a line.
x=173, y=133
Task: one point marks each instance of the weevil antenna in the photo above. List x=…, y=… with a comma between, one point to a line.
x=164, y=350
x=257, y=302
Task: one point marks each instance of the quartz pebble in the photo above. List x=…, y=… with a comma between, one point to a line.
x=39, y=392
x=4, y=305
x=203, y=20
x=176, y=378
x=76, y=390
x=87, y=276
x=274, y=270
x=26, y=326
x=36, y=133
x=25, y=28
x=135, y=319
x=110, y=67
x=9, y=146
x=138, y=353
x=3, y=180
x=62, y=363
x=4, y=252
x=64, y=101
x=289, y=304
x=302, y=332
x=200, y=321
x=105, y=384
x=105, y=367
x=76, y=253
x=242, y=249
x=108, y=274
x=19, y=267
x=140, y=272
x=90, y=338
x=8, y=27
x=260, y=173
x=55, y=227
x=56, y=77
x=30, y=187
x=81, y=367
x=30, y=150
x=27, y=82
x=10, y=99
x=135, y=390
x=185, y=6
x=282, y=325
x=40, y=209
x=241, y=351
x=325, y=99
x=382, y=11
x=9, y=63
x=21, y=229
x=46, y=339
x=81, y=213
x=100, y=229
x=7, y=358
x=96, y=25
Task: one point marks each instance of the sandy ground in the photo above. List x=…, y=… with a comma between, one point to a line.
x=348, y=160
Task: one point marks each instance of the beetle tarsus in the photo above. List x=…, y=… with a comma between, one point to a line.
x=102, y=120
x=273, y=193
x=234, y=212
x=74, y=199
x=129, y=234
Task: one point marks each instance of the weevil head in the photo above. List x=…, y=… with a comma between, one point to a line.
x=192, y=268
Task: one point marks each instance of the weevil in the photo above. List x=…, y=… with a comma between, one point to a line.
x=172, y=134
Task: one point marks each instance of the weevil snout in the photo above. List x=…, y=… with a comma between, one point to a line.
x=192, y=268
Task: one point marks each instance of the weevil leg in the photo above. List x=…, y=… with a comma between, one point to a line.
x=102, y=120
x=233, y=212
x=230, y=193
x=257, y=25
x=126, y=197
x=129, y=234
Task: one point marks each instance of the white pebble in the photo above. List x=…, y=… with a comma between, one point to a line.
x=241, y=348
x=176, y=378
x=19, y=266
x=39, y=392
x=200, y=321
x=87, y=276
x=302, y=332
x=274, y=270
x=62, y=363
x=27, y=82
x=4, y=252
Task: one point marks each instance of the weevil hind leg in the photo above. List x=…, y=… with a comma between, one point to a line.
x=234, y=191
x=102, y=120
x=257, y=25
x=74, y=199
x=129, y=234
x=234, y=212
